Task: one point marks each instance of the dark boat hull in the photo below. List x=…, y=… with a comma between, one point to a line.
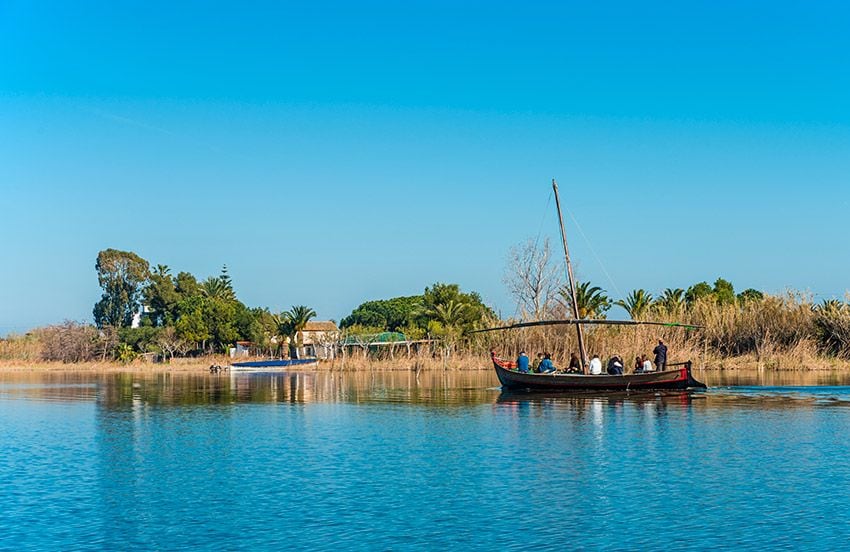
x=680, y=378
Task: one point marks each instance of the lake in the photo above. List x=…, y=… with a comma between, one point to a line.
x=387, y=461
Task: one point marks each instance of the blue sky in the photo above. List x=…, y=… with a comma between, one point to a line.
x=331, y=153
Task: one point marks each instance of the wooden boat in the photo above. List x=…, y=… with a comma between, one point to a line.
x=679, y=378
x=262, y=365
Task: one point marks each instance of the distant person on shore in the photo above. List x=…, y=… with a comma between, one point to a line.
x=638, y=365
x=615, y=366
x=647, y=364
x=546, y=366
x=595, y=366
x=660, y=353
x=535, y=366
x=575, y=364
x=522, y=362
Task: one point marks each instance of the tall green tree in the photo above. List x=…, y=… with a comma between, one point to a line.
x=121, y=275
x=637, y=303
x=441, y=299
x=749, y=295
x=220, y=317
x=698, y=292
x=187, y=285
x=219, y=287
x=249, y=325
x=161, y=297
x=191, y=325
x=387, y=314
x=724, y=292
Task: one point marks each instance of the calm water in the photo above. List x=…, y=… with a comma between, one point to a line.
x=386, y=461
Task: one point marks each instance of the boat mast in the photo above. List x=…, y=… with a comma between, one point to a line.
x=572, y=280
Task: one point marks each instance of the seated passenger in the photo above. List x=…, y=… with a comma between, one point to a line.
x=647, y=364
x=522, y=362
x=638, y=365
x=595, y=366
x=546, y=366
x=535, y=366
x=575, y=365
x=615, y=366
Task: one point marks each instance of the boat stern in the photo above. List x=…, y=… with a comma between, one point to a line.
x=692, y=381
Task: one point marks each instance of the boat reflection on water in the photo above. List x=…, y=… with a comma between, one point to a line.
x=595, y=406
x=669, y=398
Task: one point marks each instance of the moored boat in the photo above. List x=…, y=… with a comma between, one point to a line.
x=272, y=364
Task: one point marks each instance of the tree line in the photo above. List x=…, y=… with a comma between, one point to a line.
x=150, y=309
x=180, y=314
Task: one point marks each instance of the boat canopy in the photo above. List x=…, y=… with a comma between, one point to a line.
x=590, y=322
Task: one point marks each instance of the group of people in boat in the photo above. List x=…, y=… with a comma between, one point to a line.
x=543, y=364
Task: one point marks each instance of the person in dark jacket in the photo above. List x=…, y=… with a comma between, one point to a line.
x=575, y=365
x=615, y=366
x=660, y=356
x=546, y=366
x=522, y=362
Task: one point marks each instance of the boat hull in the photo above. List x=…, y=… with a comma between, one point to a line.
x=680, y=378
x=272, y=364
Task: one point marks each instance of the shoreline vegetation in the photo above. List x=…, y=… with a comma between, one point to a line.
x=149, y=319
x=422, y=363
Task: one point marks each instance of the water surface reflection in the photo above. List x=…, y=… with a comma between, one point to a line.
x=446, y=388
x=389, y=460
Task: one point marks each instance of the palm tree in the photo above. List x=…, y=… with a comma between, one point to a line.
x=592, y=300
x=294, y=322
x=672, y=301
x=637, y=303
x=831, y=307
x=450, y=314
x=282, y=329
x=217, y=288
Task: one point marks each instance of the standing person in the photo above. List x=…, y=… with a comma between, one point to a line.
x=595, y=366
x=660, y=356
x=647, y=364
x=522, y=362
x=575, y=365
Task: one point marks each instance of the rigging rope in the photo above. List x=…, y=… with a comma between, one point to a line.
x=592, y=250
x=543, y=219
